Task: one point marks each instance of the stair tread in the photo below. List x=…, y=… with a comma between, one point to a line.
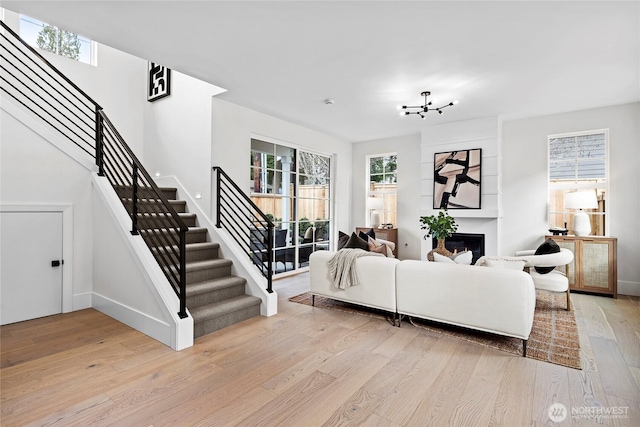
x=214, y=284
x=221, y=308
x=191, y=246
x=192, y=230
x=181, y=214
x=202, y=245
x=209, y=263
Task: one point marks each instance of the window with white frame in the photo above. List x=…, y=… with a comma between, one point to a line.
x=382, y=178
x=56, y=40
x=578, y=162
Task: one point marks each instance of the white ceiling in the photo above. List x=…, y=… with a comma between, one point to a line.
x=511, y=58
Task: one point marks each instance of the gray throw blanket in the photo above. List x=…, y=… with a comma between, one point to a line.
x=342, y=267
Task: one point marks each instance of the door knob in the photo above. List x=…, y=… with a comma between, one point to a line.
x=56, y=263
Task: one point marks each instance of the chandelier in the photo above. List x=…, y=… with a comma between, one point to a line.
x=423, y=109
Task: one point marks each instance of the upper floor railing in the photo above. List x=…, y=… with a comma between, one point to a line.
x=33, y=82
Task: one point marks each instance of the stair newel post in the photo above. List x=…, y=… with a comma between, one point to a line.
x=134, y=182
x=99, y=141
x=183, y=274
x=270, y=255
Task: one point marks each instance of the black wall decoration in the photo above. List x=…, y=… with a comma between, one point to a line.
x=159, y=84
x=456, y=179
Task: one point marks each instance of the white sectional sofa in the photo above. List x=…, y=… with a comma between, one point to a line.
x=377, y=274
x=497, y=300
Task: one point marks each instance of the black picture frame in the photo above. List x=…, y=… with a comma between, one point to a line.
x=457, y=179
x=158, y=81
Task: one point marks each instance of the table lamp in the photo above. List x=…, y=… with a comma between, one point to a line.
x=373, y=204
x=581, y=200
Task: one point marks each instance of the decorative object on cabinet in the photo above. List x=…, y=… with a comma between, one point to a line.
x=595, y=265
x=389, y=234
x=581, y=200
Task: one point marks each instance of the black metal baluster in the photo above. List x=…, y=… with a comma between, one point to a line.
x=134, y=181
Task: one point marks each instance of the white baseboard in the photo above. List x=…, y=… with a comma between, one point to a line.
x=81, y=301
x=155, y=328
x=629, y=288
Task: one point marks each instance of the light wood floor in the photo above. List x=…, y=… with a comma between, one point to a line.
x=311, y=367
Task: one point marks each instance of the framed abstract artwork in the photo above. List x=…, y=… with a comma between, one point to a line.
x=456, y=179
x=159, y=82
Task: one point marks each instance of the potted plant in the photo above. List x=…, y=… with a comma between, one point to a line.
x=440, y=226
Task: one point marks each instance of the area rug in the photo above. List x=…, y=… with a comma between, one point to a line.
x=554, y=336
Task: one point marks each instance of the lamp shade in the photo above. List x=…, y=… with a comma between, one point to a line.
x=581, y=200
x=375, y=203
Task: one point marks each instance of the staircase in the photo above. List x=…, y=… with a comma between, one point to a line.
x=215, y=298
x=201, y=280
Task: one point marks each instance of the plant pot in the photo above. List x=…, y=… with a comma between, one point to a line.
x=440, y=249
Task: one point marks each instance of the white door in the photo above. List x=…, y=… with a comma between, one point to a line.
x=30, y=280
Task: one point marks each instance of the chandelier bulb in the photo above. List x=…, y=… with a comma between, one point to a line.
x=439, y=111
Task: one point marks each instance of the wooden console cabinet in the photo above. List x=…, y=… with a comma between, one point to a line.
x=595, y=265
x=390, y=234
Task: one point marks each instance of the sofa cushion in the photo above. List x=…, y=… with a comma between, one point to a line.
x=356, y=242
x=548, y=247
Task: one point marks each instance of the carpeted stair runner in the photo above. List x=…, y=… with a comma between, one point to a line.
x=215, y=298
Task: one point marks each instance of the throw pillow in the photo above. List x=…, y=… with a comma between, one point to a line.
x=343, y=238
x=464, y=257
x=373, y=243
x=441, y=258
x=548, y=247
x=356, y=242
x=365, y=236
x=510, y=264
x=382, y=249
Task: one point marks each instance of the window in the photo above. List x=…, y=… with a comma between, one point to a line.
x=578, y=162
x=383, y=178
x=292, y=186
x=56, y=40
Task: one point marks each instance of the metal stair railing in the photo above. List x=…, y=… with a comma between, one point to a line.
x=38, y=86
x=246, y=223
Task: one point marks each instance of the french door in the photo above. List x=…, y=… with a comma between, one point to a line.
x=293, y=187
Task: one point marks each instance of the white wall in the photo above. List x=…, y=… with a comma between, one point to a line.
x=233, y=128
x=34, y=171
x=178, y=136
x=525, y=181
x=408, y=209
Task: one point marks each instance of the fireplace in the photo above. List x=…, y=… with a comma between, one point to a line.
x=459, y=242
